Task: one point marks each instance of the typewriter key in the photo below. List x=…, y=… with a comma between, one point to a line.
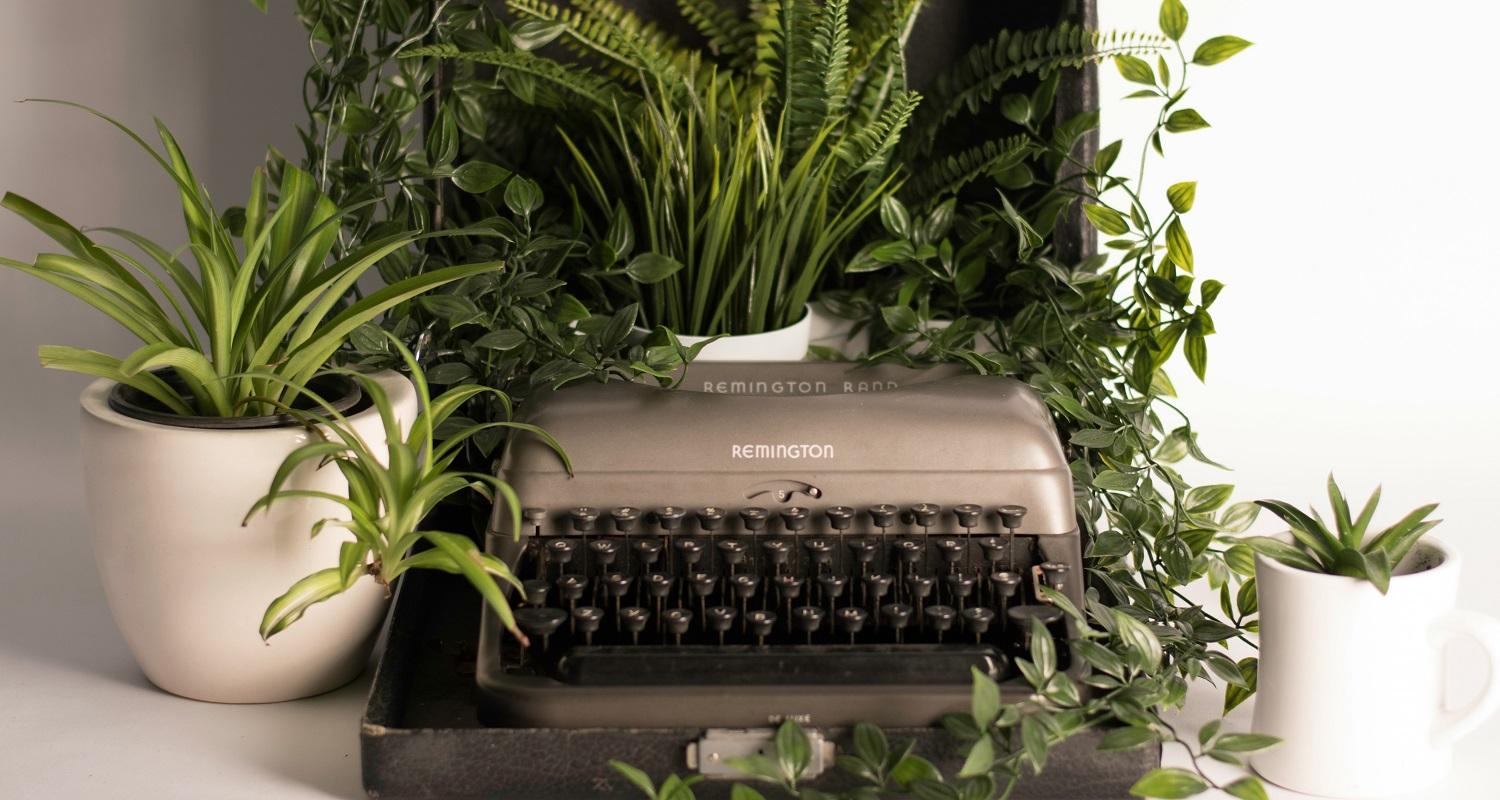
x=690, y=551
x=941, y=619
x=977, y=620
x=670, y=518
x=583, y=518
x=909, y=551
x=1021, y=617
x=560, y=552
x=918, y=589
x=1011, y=516
x=659, y=585
x=851, y=620
x=535, y=519
x=678, y=621
x=819, y=551
x=863, y=550
x=788, y=588
x=968, y=516
x=703, y=585
x=743, y=587
x=539, y=621
x=710, y=519
x=884, y=516
x=586, y=621
x=634, y=619
x=761, y=624
x=571, y=588
x=618, y=585
x=603, y=552
x=731, y=552
x=896, y=615
x=925, y=514
x=754, y=518
x=647, y=551
x=1054, y=573
x=960, y=586
x=721, y=620
x=831, y=586
x=625, y=519
x=794, y=518
x=876, y=586
x=778, y=552
x=1003, y=586
x=535, y=592
x=994, y=550
x=840, y=517
x=809, y=619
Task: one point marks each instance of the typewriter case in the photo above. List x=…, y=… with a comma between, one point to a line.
x=814, y=436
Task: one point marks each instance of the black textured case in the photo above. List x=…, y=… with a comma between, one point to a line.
x=421, y=738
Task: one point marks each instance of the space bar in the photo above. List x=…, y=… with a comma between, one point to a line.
x=705, y=665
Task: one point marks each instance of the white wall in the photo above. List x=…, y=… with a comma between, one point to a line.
x=1346, y=198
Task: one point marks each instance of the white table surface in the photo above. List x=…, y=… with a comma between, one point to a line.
x=77, y=719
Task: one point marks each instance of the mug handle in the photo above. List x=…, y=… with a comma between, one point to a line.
x=1456, y=723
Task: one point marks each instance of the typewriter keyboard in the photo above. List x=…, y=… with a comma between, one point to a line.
x=676, y=595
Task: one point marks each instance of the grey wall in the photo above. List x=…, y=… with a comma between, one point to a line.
x=225, y=78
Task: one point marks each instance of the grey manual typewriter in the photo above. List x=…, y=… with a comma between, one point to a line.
x=810, y=541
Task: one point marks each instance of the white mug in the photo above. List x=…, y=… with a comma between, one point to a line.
x=1353, y=681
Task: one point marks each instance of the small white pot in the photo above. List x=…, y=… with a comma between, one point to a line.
x=187, y=584
x=1352, y=681
x=782, y=344
x=836, y=333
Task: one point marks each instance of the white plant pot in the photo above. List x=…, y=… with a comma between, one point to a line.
x=836, y=333
x=187, y=584
x=782, y=344
x=1352, y=681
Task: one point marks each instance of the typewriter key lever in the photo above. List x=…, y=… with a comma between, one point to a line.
x=1010, y=518
x=721, y=619
x=634, y=619
x=941, y=619
x=761, y=624
x=586, y=621
x=678, y=621
x=538, y=621
x=809, y=619
x=625, y=519
x=851, y=620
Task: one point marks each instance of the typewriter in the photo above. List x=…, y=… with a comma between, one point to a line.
x=811, y=541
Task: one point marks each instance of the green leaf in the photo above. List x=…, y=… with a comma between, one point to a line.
x=1202, y=499
x=980, y=760
x=478, y=177
x=1096, y=438
x=523, y=196
x=1135, y=70
x=1179, y=249
x=742, y=792
x=649, y=268
x=1239, y=517
x=1281, y=551
x=1247, y=788
x=895, y=217
x=1196, y=351
x=290, y=606
x=1106, y=219
x=636, y=777
x=501, y=340
x=1127, y=738
x=900, y=319
x=530, y=34
x=1111, y=480
x=1106, y=156
x=1245, y=742
x=912, y=768
x=1016, y=108
x=1181, y=196
x=1173, y=19
x=984, y=699
x=1169, y=783
x=1235, y=694
x=1217, y=49
x=1144, y=648
x=1185, y=119
x=1034, y=742
x=870, y=744
x=793, y=752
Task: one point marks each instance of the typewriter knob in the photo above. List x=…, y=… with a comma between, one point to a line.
x=617, y=584
x=1054, y=573
x=993, y=547
x=625, y=519
x=1011, y=516
x=535, y=519
x=819, y=549
x=571, y=587
x=832, y=585
x=634, y=619
x=536, y=591
x=721, y=619
x=761, y=624
x=909, y=551
x=951, y=549
x=586, y=621
x=788, y=587
x=583, y=518
x=840, y=517
x=691, y=550
x=731, y=550
x=678, y=621
x=540, y=621
x=560, y=551
x=702, y=583
x=744, y=586
x=670, y=518
x=883, y=515
x=808, y=619
x=851, y=620
x=1005, y=583
x=896, y=615
x=920, y=586
x=659, y=584
x=754, y=518
x=977, y=620
x=604, y=551
x=709, y=519
x=941, y=619
x=968, y=515
x=794, y=518
x=647, y=550
x=925, y=514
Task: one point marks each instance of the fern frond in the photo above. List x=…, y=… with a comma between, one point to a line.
x=729, y=36
x=947, y=176
x=831, y=50
x=572, y=78
x=604, y=30
x=988, y=67
x=879, y=29
x=869, y=147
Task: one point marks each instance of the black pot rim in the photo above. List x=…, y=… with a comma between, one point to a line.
x=341, y=391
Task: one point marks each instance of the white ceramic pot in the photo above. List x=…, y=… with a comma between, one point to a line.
x=1352, y=681
x=782, y=344
x=187, y=584
x=836, y=333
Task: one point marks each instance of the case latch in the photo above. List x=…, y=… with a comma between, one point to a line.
x=710, y=754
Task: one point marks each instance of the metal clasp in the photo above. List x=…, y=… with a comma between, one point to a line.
x=710, y=753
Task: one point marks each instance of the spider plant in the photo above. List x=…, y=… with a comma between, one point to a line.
x=251, y=324
x=1344, y=550
x=392, y=490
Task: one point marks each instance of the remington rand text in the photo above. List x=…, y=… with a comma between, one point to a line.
x=791, y=451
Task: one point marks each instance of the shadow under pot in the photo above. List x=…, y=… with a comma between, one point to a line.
x=186, y=581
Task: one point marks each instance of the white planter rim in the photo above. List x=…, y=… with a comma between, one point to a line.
x=1448, y=561
x=95, y=402
x=350, y=400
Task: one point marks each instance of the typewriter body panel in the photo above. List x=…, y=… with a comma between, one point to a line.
x=718, y=535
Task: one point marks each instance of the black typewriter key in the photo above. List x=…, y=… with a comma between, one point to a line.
x=993, y=548
x=586, y=621
x=721, y=620
x=840, y=518
x=884, y=516
x=940, y=618
x=876, y=587
x=761, y=623
x=571, y=588
x=863, y=550
x=689, y=550
x=808, y=620
x=535, y=518
x=794, y=519
x=731, y=551
x=951, y=549
x=626, y=519
x=851, y=620
x=540, y=621
x=633, y=619
x=1020, y=619
x=819, y=551
x=831, y=586
x=896, y=616
x=754, y=518
x=702, y=584
x=788, y=589
x=678, y=620
x=659, y=585
x=618, y=585
x=1055, y=573
x=1011, y=516
x=647, y=551
x=1004, y=586
x=918, y=589
x=670, y=518
x=909, y=551
x=583, y=518
x=925, y=514
x=977, y=620
x=968, y=516
x=744, y=587
x=710, y=519
x=959, y=587
x=603, y=552
x=560, y=552
x=777, y=552
x=536, y=592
